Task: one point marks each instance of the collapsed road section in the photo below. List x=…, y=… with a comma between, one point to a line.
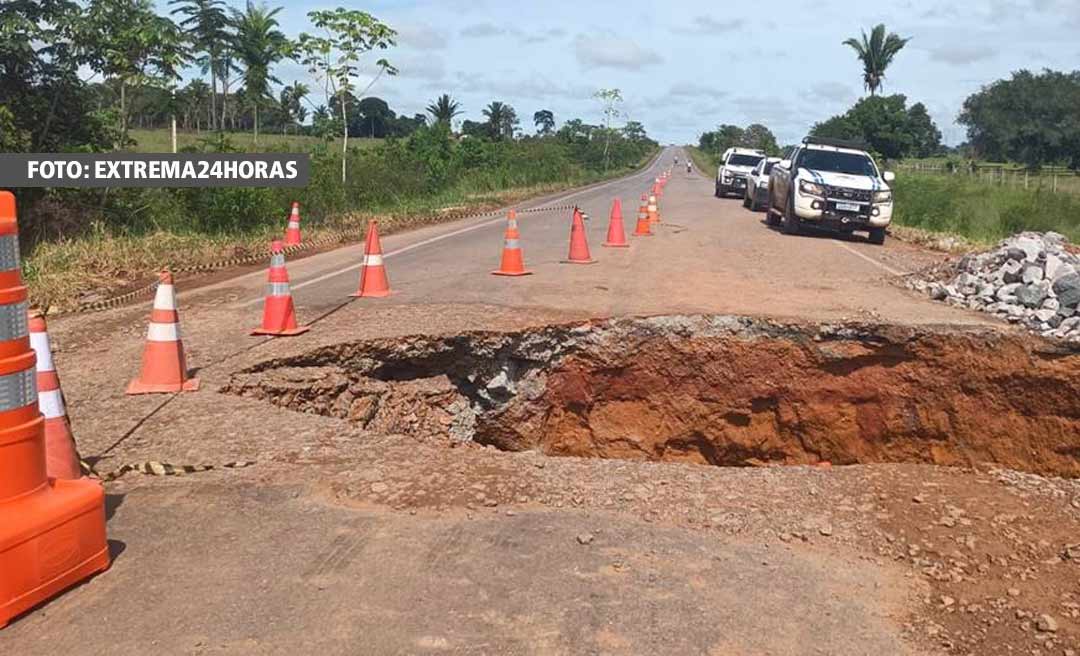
x=719, y=390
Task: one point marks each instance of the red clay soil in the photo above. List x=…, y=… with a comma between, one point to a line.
x=709, y=390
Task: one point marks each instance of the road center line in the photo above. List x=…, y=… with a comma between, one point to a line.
x=869, y=259
x=448, y=235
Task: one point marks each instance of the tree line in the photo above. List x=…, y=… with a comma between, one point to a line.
x=1030, y=118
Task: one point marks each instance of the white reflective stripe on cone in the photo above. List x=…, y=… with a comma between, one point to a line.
x=277, y=289
x=163, y=332
x=165, y=298
x=512, y=243
x=373, y=260
x=294, y=224
x=40, y=343
x=51, y=404
x=18, y=390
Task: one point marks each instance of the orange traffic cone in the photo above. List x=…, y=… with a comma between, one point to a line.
x=513, y=258
x=579, y=245
x=373, y=280
x=61, y=459
x=279, y=315
x=657, y=188
x=52, y=531
x=616, y=233
x=164, y=367
x=643, y=228
x=292, y=231
x=653, y=209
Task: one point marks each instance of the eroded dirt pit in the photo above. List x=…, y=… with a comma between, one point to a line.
x=714, y=390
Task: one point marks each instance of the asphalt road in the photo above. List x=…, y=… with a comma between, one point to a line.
x=230, y=562
x=709, y=255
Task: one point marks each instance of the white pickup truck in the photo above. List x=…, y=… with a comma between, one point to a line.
x=734, y=169
x=831, y=184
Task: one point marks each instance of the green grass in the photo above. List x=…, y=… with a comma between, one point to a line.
x=160, y=141
x=979, y=212
x=167, y=229
x=703, y=161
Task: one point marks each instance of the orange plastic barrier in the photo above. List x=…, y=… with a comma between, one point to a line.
x=292, y=230
x=373, y=280
x=279, y=314
x=579, y=245
x=52, y=531
x=616, y=233
x=513, y=258
x=164, y=366
x=61, y=458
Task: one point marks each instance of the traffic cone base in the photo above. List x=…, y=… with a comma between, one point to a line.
x=53, y=531
x=609, y=245
x=578, y=261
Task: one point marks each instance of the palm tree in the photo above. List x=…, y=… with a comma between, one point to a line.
x=545, y=121
x=876, y=54
x=291, y=99
x=207, y=25
x=444, y=109
x=496, y=118
x=259, y=45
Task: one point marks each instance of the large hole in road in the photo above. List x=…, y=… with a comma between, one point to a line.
x=716, y=390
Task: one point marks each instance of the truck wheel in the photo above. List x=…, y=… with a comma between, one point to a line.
x=754, y=206
x=770, y=216
x=717, y=193
x=877, y=236
x=746, y=201
x=790, y=223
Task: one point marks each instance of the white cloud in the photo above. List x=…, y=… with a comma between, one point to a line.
x=420, y=36
x=695, y=90
x=962, y=54
x=703, y=24
x=609, y=51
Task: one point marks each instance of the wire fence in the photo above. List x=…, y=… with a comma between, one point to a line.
x=1054, y=180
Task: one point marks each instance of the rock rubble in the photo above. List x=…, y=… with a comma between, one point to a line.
x=1030, y=279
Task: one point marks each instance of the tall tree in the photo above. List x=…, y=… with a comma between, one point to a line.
x=876, y=54
x=335, y=57
x=291, y=101
x=502, y=120
x=444, y=109
x=259, y=45
x=208, y=27
x=544, y=121
x=608, y=99
x=134, y=47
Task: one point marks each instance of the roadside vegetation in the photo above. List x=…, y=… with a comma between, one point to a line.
x=367, y=160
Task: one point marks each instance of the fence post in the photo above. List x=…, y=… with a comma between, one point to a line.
x=1055, y=183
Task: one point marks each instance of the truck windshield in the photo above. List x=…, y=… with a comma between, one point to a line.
x=836, y=162
x=744, y=160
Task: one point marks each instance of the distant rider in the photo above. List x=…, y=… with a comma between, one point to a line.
x=689, y=166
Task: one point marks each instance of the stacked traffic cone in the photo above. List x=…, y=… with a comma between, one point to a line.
x=643, y=228
x=654, y=209
x=373, y=280
x=164, y=367
x=279, y=315
x=579, y=245
x=616, y=233
x=61, y=458
x=292, y=231
x=52, y=530
x=513, y=258
x=657, y=189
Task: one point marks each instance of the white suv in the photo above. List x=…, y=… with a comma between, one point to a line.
x=757, y=184
x=831, y=184
x=735, y=167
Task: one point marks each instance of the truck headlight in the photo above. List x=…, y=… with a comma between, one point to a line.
x=883, y=197
x=727, y=176
x=811, y=188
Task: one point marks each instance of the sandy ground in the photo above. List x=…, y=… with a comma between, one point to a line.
x=342, y=541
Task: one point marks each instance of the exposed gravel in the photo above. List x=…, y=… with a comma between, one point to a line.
x=1031, y=279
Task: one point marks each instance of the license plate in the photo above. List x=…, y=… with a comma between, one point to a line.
x=847, y=207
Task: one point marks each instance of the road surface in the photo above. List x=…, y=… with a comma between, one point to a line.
x=342, y=541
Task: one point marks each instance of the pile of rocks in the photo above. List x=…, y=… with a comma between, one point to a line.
x=1030, y=278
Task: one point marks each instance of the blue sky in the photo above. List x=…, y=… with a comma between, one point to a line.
x=685, y=66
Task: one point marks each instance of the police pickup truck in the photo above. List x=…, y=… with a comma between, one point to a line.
x=831, y=184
